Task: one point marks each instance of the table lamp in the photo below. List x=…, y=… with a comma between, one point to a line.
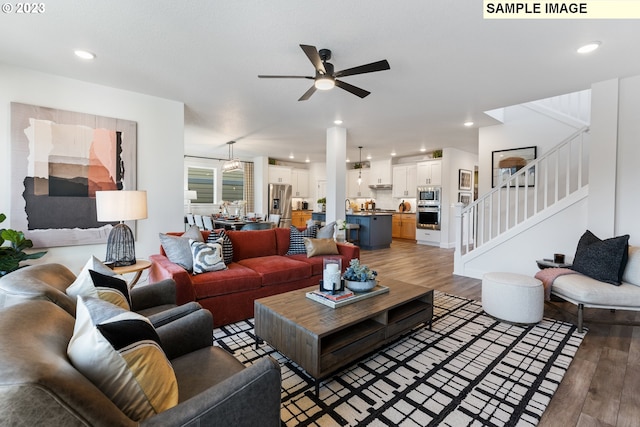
x=121, y=206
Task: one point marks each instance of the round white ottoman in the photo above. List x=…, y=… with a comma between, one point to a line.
x=513, y=297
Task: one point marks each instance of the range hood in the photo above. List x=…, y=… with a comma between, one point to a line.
x=380, y=186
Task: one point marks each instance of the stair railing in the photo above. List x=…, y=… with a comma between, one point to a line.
x=537, y=186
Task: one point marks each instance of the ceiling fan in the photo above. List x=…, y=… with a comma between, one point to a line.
x=326, y=78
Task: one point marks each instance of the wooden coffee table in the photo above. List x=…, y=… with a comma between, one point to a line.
x=322, y=339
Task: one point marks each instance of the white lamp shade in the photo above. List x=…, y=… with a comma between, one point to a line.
x=121, y=205
x=190, y=194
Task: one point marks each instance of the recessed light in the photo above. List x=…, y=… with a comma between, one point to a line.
x=468, y=124
x=337, y=122
x=369, y=157
x=589, y=47
x=84, y=54
x=422, y=150
x=393, y=153
x=291, y=156
x=307, y=160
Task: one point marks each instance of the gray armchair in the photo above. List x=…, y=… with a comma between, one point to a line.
x=39, y=386
x=48, y=282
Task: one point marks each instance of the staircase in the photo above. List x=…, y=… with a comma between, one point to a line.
x=544, y=187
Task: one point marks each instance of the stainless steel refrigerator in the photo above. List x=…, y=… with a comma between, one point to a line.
x=280, y=203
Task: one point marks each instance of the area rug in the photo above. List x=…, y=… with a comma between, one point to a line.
x=470, y=370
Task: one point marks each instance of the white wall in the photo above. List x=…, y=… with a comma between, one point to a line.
x=160, y=149
x=452, y=161
x=627, y=205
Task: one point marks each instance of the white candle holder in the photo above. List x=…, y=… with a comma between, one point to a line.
x=331, y=275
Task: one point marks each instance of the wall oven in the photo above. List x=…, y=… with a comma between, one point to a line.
x=428, y=196
x=428, y=217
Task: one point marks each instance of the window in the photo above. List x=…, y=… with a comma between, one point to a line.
x=202, y=180
x=233, y=186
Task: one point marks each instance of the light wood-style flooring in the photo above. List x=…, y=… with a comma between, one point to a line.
x=602, y=385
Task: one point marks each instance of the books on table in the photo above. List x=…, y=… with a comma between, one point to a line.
x=345, y=297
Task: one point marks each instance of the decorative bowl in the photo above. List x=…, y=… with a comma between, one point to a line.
x=360, y=286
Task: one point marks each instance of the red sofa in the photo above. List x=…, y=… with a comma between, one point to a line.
x=260, y=268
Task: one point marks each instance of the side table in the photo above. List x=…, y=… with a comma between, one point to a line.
x=548, y=263
x=137, y=268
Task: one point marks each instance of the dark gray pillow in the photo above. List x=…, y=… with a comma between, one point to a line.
x=602, y=260
x=326, y=232
x=178, y=249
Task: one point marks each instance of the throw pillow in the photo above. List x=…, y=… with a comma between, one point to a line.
x=178, y=249
x=320, y=247
x=631, y=273
x=83, y=285
x=326, y=232
x=602, y=260
x=119, y=351
x=227, y=246
x=207, y=256
x=296, y=242
x=111, y=289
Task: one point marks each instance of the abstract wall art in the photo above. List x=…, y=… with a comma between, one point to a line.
x=59, y=160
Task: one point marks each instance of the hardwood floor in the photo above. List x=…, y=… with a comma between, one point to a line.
x=602, y=385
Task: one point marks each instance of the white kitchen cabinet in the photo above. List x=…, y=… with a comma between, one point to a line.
x=300, y=183
x=353, y=189
x=404, y=181
x=279, y=174
x=380, y=172
x=428, y=237
x=429, y=172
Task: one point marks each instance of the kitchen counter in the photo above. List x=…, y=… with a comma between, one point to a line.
x=375, y=227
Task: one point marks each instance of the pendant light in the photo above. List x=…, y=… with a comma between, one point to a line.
x=360, y=163
x=231, y=164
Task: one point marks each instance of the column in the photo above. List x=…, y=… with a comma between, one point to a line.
x=336, y=173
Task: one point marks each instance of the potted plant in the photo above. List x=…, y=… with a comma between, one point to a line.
x=322, y=203
x=13, y=254
x=359, y=277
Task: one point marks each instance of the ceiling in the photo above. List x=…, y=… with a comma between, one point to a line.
x=448, y=65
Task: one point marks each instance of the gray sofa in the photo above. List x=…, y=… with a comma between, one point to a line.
x=49, y=281
x=39, y=385
x=584, y=291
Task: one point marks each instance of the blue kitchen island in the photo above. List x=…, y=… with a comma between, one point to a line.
x=375, y=228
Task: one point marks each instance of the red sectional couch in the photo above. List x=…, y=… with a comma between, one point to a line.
x=260, y=268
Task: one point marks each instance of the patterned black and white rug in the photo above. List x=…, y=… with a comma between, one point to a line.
x=471, y=370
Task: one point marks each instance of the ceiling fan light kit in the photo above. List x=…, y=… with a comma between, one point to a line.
x=325, y=77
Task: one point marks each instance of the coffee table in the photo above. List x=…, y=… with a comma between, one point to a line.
x=322, y=339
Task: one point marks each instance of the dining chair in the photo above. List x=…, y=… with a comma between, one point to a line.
x=198, y=220
x=256, y=226
x=190, y=219
x=208, y=222
x=274, y=219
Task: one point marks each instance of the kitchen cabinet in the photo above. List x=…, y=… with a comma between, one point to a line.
x=428, y=237
x=353, y=189
x=404, y=226
x=299, y=183
x=279, y=174
x=404, y=181
x=429, y=172
x=380, y=173
x=299, y=218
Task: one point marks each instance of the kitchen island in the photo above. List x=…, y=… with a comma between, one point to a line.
x=375, y=228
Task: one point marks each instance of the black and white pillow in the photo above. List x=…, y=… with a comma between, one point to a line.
x=603, y=260
x=296, y=239
x=227, y=246
x=207, y=256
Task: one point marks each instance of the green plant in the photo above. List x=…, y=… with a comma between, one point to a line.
x=13, y=254
x=359, y=272
x=322, y=200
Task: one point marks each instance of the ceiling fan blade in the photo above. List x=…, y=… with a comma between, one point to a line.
x=367, y=68
x=308, y=93
x=314, y=57
x=353, y=89
x=261, y=76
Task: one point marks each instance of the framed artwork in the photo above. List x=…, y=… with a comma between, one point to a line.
x=464, y=179
x=505, y=163
x=464, y=198
x=59, y=160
